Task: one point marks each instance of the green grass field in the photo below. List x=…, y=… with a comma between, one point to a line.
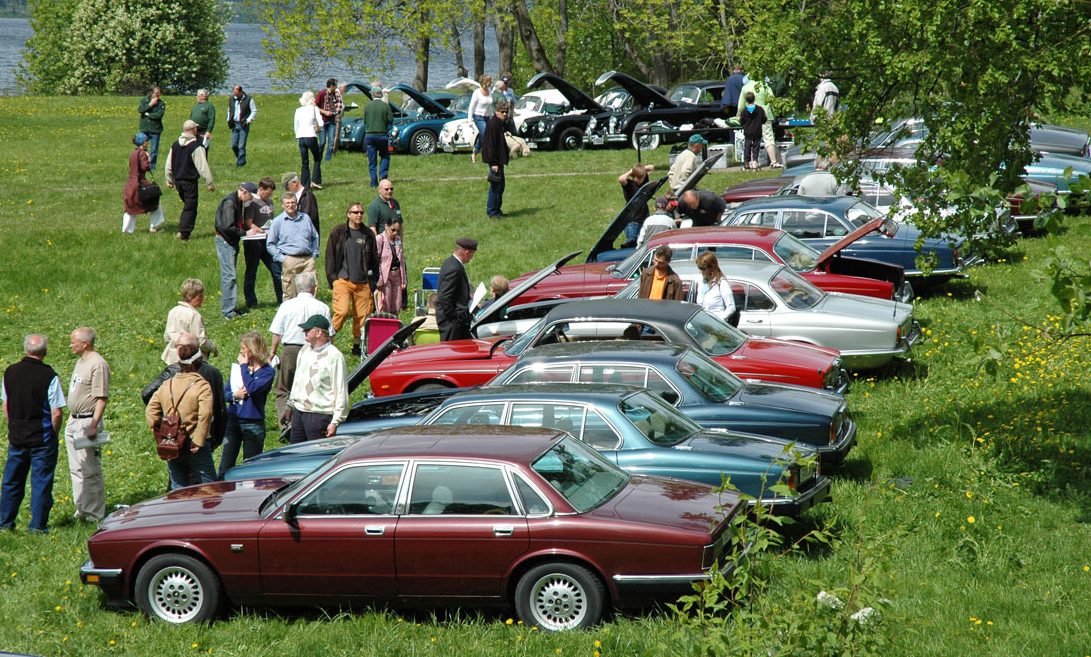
x=968, y=493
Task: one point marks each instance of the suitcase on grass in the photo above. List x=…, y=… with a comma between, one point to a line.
x=378, y=328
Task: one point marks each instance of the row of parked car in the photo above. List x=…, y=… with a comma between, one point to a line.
x=562, y=462
x=553, y=115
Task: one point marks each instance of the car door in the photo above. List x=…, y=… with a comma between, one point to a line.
x=756, y=309
x=583, y=422
x=460, y=533
x=341, y=542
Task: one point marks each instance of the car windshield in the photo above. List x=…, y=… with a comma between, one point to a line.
x=631, y=263
x=714, y=382
x=686, y=93
x=271, y=502
x=660, y=422
x=795, y=253
x=517, y=346
x=797, y=292
x=613, y=98
x=713, y=335
x=580, y=474
x=861, y=213
x=460, y=103
x=529, y=104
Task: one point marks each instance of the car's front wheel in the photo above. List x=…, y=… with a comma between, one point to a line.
x=178, y=589
x=645, y=142
x=559, y=596
x=431, y=385
x=571, y=139
x=423, y=142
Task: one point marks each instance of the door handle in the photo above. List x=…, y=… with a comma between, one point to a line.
x=373, y=530
x=753, y=321
x=503, y=530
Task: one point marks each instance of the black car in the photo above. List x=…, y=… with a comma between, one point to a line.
x=656, y=118
x=565, y=131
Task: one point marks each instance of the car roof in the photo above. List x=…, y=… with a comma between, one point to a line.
x=717, y=234
x=745, y=270
x=830, y=203
x=519, y=391
x=498, y=443
x=624, y=309
x=610, y=350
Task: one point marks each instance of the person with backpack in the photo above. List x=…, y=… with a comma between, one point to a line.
x=185, y=401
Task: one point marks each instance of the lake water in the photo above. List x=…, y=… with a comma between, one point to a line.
x=249, y=66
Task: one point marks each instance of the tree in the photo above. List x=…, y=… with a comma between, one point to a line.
x=124, y=46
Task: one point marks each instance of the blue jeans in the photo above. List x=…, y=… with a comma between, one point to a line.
x=308, y=147
x=40, y=463
x=251, y=433
x=153, y=147
x=377, y=145
x=479, y=121
x=329, y=138
x=192, y=468
x=229, y=290
x=255, y=253
x=238, y=142
x=494, y=206
x=632, y=232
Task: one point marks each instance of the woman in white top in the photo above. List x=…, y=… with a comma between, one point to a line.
x=714, y=293
x=481, y=108
x=308, y=123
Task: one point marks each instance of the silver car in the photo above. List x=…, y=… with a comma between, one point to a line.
x=776, y=302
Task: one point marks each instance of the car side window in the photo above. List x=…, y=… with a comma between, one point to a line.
x=804, y=224
x=448, y=489
x=620, y=374
x=736, y=252
x=563, y=417
x=657, y=384
x=758, y=300
x=768, y=218
x=598, y=433
x=533, y=503
x=358, y=490
x=471, y=414
x=559, y=374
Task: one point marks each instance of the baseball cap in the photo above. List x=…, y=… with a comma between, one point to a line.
x=250, y=187
x=316, y=321
x=697, y=139
x=467, y=243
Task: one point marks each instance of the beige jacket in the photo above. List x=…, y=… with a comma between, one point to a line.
x=194, y=405
x=184, y=318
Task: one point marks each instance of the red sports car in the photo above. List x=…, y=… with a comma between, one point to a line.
x=827, y=271
x=451, y=515
x=464, y=363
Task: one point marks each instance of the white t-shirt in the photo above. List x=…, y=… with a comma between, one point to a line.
x=308, y=121
x=716, y=299
x=480, y=105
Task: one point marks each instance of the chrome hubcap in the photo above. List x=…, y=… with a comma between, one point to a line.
x=176, y=594
x=559, y=602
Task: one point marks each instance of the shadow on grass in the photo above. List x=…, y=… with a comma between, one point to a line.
x=956, y=288
x=1055, y=461
x=853, y=469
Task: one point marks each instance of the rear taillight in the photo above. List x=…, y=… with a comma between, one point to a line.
x=793, y=477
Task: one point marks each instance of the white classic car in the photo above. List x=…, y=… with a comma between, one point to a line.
x=459, y=136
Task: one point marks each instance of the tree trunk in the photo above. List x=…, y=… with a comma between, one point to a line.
x=505, y=45
x=456, y=45
x=562, y=36
x=479, y=47
x=420, y=75
x=538, y=58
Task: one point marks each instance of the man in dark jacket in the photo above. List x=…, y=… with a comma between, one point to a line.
x=729, y=101
x=186, y=162
x=241, y=112
x=230, y=229
x=453, y=292
x=494, y=151
x=352, y=269
x=705, y=208
x=659, y=281
x=151, y=109
x=209, y=373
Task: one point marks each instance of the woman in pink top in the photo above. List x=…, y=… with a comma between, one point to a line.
x=392, y=274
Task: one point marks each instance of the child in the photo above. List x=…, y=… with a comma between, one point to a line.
x=752, y=118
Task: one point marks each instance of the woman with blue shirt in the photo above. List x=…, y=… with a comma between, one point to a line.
x=247, y=389
x=714, y=292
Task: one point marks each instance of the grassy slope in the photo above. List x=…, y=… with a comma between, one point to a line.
x=938, y=444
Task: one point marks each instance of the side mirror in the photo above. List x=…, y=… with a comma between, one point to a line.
x=290, y=513
x=670, y=396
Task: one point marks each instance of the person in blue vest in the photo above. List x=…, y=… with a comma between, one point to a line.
x=33, y=403
x=241, y=111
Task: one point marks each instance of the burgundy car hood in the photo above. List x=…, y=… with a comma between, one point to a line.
x=586, y=280
x=670, y=503
x=475, y=349
x=845, y=241
x=223, y=501
x=787, y=354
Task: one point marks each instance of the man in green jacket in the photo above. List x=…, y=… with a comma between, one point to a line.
x=204, y=115
x=378, y=119
x=151, y=109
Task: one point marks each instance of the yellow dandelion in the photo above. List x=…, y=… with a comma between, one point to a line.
x=970, y=519
x=112, y=642
x=194, y=645
x=969, y=494
x=597, y=644
x=1086, y=568
x=508, y=622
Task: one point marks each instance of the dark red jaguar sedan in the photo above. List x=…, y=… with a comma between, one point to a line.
x=422, y=516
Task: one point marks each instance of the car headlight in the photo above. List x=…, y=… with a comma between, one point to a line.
x=394, y=133
x=613, y=124
x=591, y=124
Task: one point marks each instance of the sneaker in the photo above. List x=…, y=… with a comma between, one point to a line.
x=315, y=185
x=776, y=165
x=232, y=315
x=182, y=237
x=153, y=229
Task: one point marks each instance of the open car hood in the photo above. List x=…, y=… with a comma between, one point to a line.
x=643, y=95
x=465, y=84
x=426, y=103
x=496, y=307
x=844, y=242
x=368, y=365
x=576, y=98
x=627, y=214
x=698, y=174
x=359, y=86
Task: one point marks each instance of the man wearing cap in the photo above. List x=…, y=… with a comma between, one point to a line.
x=384, y=208
x=503, y=91
x=352, y=269
x=378, y=119
x=231, y=226
x=304, y=197
x=285, y=331
x=293, y=242
x=185, y=162
x=686, y=162
x=241, y=112
x=660, y=220
x=88, y=392
x=453, y=292
x=319, y=399
x=705, y=208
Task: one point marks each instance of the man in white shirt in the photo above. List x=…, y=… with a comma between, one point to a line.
x=820, y=182
x=286, y=331
x=319, y=399
x=686, y=162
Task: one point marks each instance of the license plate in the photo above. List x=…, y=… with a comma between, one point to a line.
x=532, y=145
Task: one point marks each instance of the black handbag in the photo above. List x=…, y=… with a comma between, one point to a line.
x=149, y=193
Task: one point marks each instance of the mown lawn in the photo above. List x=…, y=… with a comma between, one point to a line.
x=967, y=495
